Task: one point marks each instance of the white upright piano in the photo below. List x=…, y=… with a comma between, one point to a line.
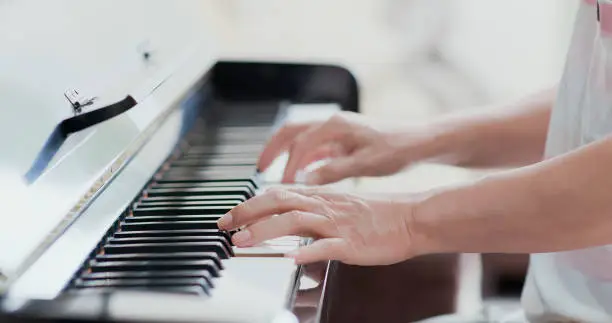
x=124, y=137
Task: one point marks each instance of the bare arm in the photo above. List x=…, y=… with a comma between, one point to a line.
x=356, y=146
x=514, y=136
x=560, y=204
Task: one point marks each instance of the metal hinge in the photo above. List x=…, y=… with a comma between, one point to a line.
x=78, y=101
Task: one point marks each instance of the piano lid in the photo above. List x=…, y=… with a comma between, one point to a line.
x=102, y=49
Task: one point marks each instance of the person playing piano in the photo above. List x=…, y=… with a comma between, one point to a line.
x=555, y=205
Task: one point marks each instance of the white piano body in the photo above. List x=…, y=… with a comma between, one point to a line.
x=160, y=54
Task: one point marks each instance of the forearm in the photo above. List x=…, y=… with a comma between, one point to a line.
x=560, y=204
x=514, y=136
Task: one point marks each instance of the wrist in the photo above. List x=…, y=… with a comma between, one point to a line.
x=442, y=220
x=442, y=142
x=420, y=228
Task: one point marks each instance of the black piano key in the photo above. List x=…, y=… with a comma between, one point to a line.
x=154, y=192
x=230, y=135
x=139, y=240
x=146, y=283
x=169, y=225
x=254, y=149
x=162, y=256
x=210, y=160
x=221, y=139
x=226, y=142
x=170, y=240
x=251, y=129
x=209, y=175
x=149, y=274
x=212, y=246
x=212, y=172
x=188, y=290
x=249, y=170
x=193, y=198
x=217, y=184
x=183, y=210
x=204, y=157
x=223, y=203
x=171, y=233
x=171, y=218
x=186, y=179
x=248, y=129
x=207, y=265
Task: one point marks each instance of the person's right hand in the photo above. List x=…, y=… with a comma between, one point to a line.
x=353, y=146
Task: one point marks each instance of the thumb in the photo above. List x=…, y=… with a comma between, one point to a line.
x=337, y=169
x=320, y=250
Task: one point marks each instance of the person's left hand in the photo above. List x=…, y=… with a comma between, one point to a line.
x=348, y=228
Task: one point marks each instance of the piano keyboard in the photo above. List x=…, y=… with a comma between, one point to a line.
x=168, y=239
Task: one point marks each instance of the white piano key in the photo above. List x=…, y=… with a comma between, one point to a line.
x=297, y=113
x=271, y=248
x=250, y=290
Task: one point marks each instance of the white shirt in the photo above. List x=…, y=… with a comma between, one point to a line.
x=576, y=286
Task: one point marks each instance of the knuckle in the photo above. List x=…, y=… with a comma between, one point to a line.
x=272, y=190
x=341, y=254
x=281, y=196
x=296, y=218
x=241, y=211
x=238, y=210
x=298, y=142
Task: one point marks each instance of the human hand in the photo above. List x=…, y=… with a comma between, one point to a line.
x=348, y=228
x=353, y=144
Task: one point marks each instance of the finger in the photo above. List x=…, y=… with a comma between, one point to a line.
x=279, y=142
x=336, y=170
x=273, y=201
x=310, y=191
x=291, y=223
x=309, y=140
x=326, y=151
x=320, y=250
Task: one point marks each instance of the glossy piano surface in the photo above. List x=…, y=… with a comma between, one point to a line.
x=120, y=225
x=97, y=49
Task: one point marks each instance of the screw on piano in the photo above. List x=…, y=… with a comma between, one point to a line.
x=144, y=49
x=77, y=100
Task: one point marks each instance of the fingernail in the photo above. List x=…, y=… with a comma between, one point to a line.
x=312, y=178
x=242, y=237
x=225, y=222
x=291, y=254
